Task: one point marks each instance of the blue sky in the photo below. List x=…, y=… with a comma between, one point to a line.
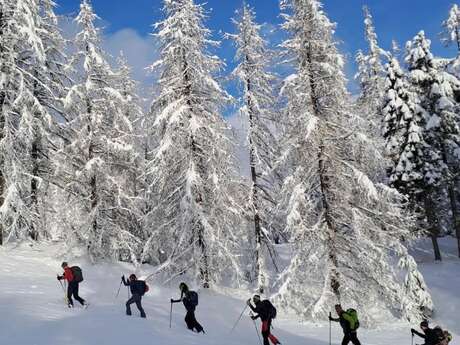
x=128, y=21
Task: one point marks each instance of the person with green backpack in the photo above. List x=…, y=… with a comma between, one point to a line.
x=349, y=321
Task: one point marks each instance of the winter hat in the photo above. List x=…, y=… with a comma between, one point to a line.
x=256, y=299
x=132, y=277
x=424, y=323
x=64, y=264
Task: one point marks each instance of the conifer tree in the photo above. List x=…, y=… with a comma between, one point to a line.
x=192, y=170
x=336, y=213
x=96, y=162
x=257, y=110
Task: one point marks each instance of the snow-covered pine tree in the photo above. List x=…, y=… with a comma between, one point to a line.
x=96, y=163
x=438, y=92
x=370, y=77
x=257, y=106
x=25, y=118
x=346, y=228
x=192, y=169
x=451, y=28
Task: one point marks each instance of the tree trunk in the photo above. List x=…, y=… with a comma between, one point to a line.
x=198, y=228
x=2, y=127
x=433, y=225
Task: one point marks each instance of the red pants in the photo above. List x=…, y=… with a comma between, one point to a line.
x=266, y=333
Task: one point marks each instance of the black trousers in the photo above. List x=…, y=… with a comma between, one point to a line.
x=352, y=336
x=135, y=298
x=72, y=290
x=191, y=321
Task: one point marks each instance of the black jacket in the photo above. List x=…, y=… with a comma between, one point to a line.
x=431, y=336
x=137, y=287
x=262, y=309
x=185, y=298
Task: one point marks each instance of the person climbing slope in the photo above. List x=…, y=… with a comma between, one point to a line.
x=432, y=336
x=74, y=277
x=267, y=312
x=190, y=300
x=138, y=289
x=349, y=322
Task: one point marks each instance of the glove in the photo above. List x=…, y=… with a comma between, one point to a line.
x=59, y=277
x=253, y=317
x=172, y=301
x=248, y=302
x=123, y=278
x=330, y=318
x=412, y=331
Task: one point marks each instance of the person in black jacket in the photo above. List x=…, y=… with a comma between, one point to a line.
x=190, y=301
x=264, y=310
x=431, y=336
x=348, y=325
x=137, y=288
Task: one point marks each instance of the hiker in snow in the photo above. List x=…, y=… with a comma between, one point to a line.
x=432, y=336
x=74, y=277
x=138, y=289
x=190, y=300
x=349, y=322
x=267, y=312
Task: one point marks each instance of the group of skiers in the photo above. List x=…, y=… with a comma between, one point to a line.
x=263, y=309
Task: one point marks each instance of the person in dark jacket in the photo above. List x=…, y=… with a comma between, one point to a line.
x=137, y=288
x=72, y=285
x=186, y=297
x=431, y=336
x=348, y=325
x=263, y=309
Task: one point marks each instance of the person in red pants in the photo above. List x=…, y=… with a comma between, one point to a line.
x=267, y=312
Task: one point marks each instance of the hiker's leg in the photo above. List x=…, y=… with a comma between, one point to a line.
x=354, y=338
x=138, y=300
x=265, y=332
x=75, y=294
x=346, y=339
x=189, y=320
x=69, y=293
x=128, y=305
x=196, y=324
x=272, y=338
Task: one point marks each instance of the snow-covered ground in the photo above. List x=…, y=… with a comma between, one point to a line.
x=33, y=312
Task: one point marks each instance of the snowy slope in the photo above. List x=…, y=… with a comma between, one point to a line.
x=32, y=309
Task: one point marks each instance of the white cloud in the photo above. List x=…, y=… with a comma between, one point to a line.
x=140, y=52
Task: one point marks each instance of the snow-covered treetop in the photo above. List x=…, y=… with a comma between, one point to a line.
x=451, y=28
x=418, y=52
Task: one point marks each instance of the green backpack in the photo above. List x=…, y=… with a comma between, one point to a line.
x=354, y=323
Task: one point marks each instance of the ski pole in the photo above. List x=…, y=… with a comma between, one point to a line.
x=170, y=315
x=330, y=329
x=258, y=335
x=118, y=292
x=412, y=342
x=237, y=321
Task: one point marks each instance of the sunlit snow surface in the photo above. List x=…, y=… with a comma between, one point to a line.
x=33, y=312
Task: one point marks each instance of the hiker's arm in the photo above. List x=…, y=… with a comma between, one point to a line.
x=421, y=335
x=350, y=320
x=125, y=283
x=176, y=300
x=334, y=319
x=250, y=306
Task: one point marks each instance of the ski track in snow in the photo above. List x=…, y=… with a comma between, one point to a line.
x=33, y=311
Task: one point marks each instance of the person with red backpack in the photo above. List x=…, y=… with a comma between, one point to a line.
x=74, y=277
x=267, y=312
x=138, y=289
x=190, y=300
